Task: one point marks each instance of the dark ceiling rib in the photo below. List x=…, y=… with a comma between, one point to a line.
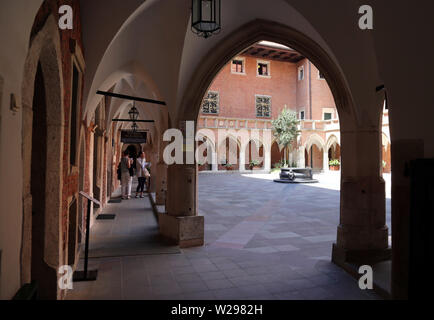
x=129, y=120
x=126, y=97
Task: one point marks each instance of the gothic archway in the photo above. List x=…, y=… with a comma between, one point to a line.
x=42, y=149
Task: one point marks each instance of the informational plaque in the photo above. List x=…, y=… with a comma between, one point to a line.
x=129, y=136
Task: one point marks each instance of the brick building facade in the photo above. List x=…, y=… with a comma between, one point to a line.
x=286, y=80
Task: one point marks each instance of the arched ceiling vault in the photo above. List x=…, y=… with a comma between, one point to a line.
x=156, y=38
x=119, y=108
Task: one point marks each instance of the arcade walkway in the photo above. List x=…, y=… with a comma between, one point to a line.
x=264, y=240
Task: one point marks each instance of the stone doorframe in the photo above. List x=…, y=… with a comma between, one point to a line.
x=45, y=48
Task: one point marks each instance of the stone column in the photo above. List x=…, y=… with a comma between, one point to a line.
x=267, y=158
x=242, y=159
x=160, y=178
x=91, y=165
x=181, y=224
x=301, y=163
x=325, y=160
x=153, y=185
x=362, y=235
x=214, y=164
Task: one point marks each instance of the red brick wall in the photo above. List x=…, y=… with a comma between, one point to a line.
x=321, y=96
x=320, y=92
x=276, y=154
x=302, y=86
x=237, y=92
x=317, y=154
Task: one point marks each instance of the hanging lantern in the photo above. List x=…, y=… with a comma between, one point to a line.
x=206, y=17
x=133, y=113
x=134, y=127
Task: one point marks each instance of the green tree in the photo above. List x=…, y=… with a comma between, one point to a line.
x=285, y=129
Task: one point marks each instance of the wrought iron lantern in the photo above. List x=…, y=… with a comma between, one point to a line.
x=133, y=113
x=134, y=127
x=206, y=17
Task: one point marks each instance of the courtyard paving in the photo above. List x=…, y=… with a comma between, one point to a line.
x=263, y=240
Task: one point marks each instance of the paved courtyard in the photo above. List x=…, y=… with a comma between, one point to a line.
x=263, y=240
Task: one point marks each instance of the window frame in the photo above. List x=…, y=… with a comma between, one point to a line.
x=324, y=116
x=328, y=110
x=319, y=76
x=243, y=61
x=268, y=63
x=304, y=114
x=300, y=68
x=218, y=103
x=256, y=106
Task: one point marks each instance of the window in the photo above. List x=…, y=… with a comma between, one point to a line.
x=301, y=73
x=237, y=66
x=264, y=69
x=211, y=103
x=320, y=75
x=327, y=115
x=301, y=115
x=74, y=109
x=263, y=106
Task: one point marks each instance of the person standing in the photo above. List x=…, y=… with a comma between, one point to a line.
x=142, y=173
x=126, y=178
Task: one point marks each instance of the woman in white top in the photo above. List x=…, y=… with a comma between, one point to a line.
x=142, y=173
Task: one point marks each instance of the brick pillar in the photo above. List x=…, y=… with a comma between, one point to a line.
x=362, y=235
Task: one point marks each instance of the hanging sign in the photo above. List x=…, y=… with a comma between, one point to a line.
x=129, y=136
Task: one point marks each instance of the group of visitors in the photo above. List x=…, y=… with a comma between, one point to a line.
x=128, y=168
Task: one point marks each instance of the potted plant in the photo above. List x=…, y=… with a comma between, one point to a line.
x=202, y=165
x=254, y=164
x=334, y=165
x=228, y=166
x=278, y=165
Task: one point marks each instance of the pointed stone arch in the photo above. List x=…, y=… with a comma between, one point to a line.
x=43, y=68
x=249, y=34
x=314, y=139
x=332, y=140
